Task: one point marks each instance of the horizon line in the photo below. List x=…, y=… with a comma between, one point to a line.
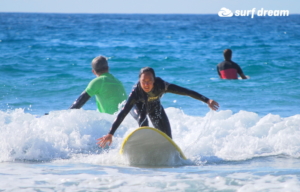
x=120, y=13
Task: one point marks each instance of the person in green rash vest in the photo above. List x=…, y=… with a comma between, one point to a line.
x=107, y=89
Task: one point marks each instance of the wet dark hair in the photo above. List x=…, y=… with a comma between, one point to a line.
x=147, y=69
x=227, y=54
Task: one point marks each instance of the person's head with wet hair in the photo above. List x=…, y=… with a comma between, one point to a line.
x=100, y=65
x=147, y=69
x=227, y=54
x=147, y=78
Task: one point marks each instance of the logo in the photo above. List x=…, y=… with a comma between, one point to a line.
x=224, y=12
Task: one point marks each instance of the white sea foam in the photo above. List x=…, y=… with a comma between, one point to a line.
x=71, y=135
x=83, y=177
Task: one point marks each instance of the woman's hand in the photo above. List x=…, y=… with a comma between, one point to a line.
x=213, y=104
x=104, y=140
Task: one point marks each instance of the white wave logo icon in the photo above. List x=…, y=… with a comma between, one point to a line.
x=224, y=12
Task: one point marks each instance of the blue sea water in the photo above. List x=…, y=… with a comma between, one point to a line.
x=250, y=144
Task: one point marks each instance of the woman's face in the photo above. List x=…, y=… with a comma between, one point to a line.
x=147, y=81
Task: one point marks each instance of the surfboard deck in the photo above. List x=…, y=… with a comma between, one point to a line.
x=150, y=146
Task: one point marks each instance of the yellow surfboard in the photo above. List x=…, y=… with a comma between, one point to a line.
x=150, y=146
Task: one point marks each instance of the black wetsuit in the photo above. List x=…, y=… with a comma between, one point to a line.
x=229, y=70
x=143, y=104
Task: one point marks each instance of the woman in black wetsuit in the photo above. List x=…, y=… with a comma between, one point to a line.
x=145, y=100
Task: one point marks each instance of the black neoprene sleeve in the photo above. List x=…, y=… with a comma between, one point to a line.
x=129, y=104
x=80, y=101
x=183, y=91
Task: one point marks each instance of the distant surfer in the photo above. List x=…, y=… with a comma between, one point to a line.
x=145, y=100
x=228, y=69
x=109, y=91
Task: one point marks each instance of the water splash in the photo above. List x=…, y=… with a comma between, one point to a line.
x=218, y=136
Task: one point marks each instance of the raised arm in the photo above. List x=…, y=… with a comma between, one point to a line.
x=171, y=88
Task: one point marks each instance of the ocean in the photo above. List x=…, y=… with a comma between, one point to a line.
x=250, y=144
